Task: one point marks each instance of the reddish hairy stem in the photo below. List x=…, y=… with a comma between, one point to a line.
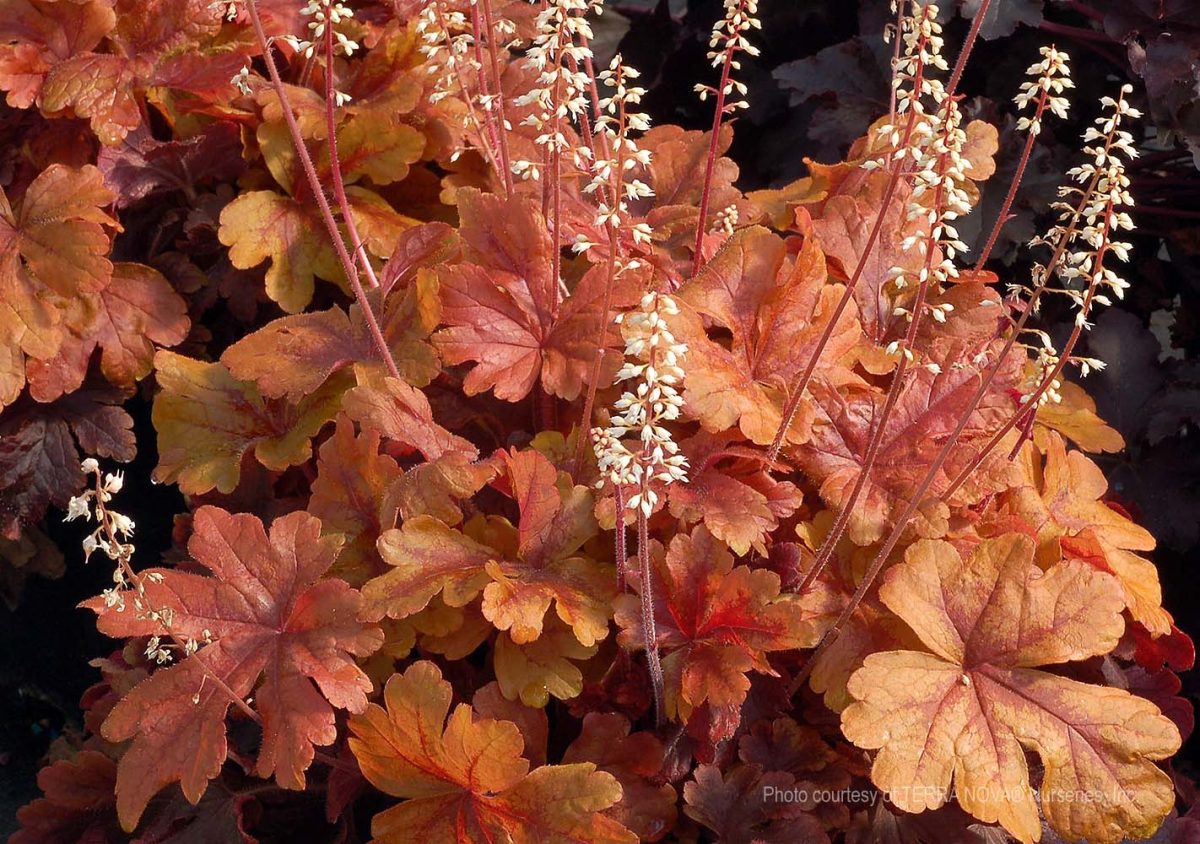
x=609, y=282
x=589, y=402
x=491, y=154
x=484, y=90
x=711, y=163
x=649, y=628
x=505, y=161
x=1002, y=218
x=310, y=173
x=960, y=64
x=556, y=246
x=619, y=549
x=335, y=167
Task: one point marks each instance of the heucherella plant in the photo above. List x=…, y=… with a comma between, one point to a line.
x=429, y=314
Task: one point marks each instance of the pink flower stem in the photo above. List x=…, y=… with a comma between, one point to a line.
x=711, y=163
x=335, y=167
x=318, y=192
x=1003, y=217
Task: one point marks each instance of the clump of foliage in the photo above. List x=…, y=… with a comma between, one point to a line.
x=542, y=484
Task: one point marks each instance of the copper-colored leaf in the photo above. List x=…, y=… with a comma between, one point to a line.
x=714, y=622
x=78, y=802
x=1075, y=417
x=36, y=35
x=647, y=805
x=521, y=571
x=546, y=666
x=1062, y=500
x=207, y=420
x=500, y=305
x=844, y=227
x=464, y=780
x=294, y=355
x=401, y=413
x=776, y=308
x=350, y=497
x=277, y=631
x=741, y=505
x=154, y=43
x=264, y=225
x=966, y=712
x=53, y=262
x=923, y=418
x=136, y=312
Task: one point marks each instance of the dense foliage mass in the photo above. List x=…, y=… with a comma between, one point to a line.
x=542, y=484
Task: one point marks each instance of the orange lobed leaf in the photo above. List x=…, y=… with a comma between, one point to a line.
x=207, y=421
x=499, y=306
x=464, y=779
x=263, y=225
x=965, y=712
x=154, y=43
x=287, y=229
x=350, y=497
x=520, y=571
x=137, y=310
x=533, y=671
x=78, y=802
x=741, y=505
x=37, y=35
x=676, y=174
x=714, y=622
x=845, y=225
x=53, y=265
x=359, y=493
x=1062, y=500
x=402, y=413
x=1075, y=417
x=276, y=629
x=925, y=414
x=776, y=309
x=292, y=356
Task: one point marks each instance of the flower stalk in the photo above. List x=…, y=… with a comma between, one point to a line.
x=728, y=39
x=318, y=191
